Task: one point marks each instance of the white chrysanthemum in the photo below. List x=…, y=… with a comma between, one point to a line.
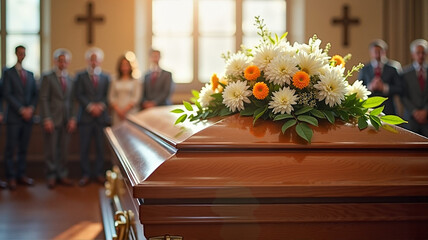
x=235, y=94
x=281, y=70
x=302, y=47
x=309, y=63
x=359, y=88
x=331, y=87
x=282, y=100
x=205, y=95
x=286, y=49
x=236, y=65
x=264, y=55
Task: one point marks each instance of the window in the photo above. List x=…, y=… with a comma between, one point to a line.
x=192, y=34
x=21, y=26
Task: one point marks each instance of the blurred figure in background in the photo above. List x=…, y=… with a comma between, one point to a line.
x=59, y=120
x=20, y=94
x=380, y=75
x=2, y=183
x=91, y=92
x=125, y=90
x=158, y=84
x=415, y=95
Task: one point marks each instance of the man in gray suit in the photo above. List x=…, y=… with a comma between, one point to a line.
x=415, y=96
x=380, y=75
x=91, y=92
x=157, y=85
x=59, y=120
x=20, y=94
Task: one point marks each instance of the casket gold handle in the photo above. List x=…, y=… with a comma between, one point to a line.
x=123, y=221
x=167, y=237
x=114, y=184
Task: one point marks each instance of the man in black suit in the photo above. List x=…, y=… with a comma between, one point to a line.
x=380, y=75
x=157, y=85
x=20, y=94
x=91, y=92
x=415, y=96
x=59, y=120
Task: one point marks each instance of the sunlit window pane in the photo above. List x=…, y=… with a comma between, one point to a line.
x=172, y=16
x=210, y=60
x=217, y=17
x=22, y=16
x=32, y=50
x=272, y=11
x=176, y=56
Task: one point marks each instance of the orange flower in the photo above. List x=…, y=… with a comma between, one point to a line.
x=214, y=81
x=251, y=73
x=260, y=90
x=338, y=60
x=301, y=79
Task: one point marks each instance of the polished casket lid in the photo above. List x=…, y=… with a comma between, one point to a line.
x=228, y=157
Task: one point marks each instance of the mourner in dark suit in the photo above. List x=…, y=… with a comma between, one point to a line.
x=20, y=95
x=2, y=184
x=380, y=76
x=157, y=85
x=91, y=92
x=59, y=119
x=415, y=96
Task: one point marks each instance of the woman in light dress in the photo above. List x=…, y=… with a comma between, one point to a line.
x=125, y=91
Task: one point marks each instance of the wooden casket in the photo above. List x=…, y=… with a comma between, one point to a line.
x=225, y=179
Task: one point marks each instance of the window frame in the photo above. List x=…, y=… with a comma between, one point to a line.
x=195, y=83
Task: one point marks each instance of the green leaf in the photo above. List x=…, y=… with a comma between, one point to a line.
x=258, y=113
x=362, y=122
x=309, y=119
x=357, y=111
x=198, y=105
x=374, y=102
x=195, y=93
x=284, y=35
x=304, y=109
x=248, y=111
x=392, y=119
x=288, y=124
x=177, y=110
x=188, y=106
x=304, y=131
x=375, y=121
x=377, y=111
x=282, y=116
x=180, y=119
x=317, y=113
x=217, y=97
x=329, y=115
x=343, y=115
x=225, y=112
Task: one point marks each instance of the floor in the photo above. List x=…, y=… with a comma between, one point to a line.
x=69, y=213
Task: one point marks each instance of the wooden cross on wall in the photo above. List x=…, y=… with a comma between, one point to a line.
x=90, y=19
x=346, y=21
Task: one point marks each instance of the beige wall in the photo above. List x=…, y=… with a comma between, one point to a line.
x=115, y=35
x=319, y=15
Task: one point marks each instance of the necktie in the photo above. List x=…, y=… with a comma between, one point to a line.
x=378, y=71
x=153, y=78
x=95, y=80
x=63, y=83
x=23, y=76
x=421, y=79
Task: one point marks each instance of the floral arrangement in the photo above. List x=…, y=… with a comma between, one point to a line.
x=297, y=84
